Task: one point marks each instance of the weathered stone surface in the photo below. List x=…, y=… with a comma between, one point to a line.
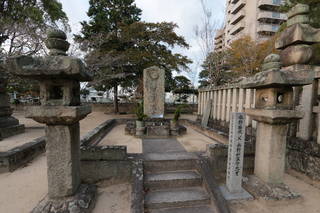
x=271, y=63
x=57, y=42
x=154, y=92
x=60, y=92
x=158, y=130
x=299, y=9
x=236, y=152
x=299, y=19
x=11, y=131
x=50, y=67
x=57, y=115
x=298, y=54
x=298, y=34
x=268, y=191
x=274, y=98
x=206, y=114
x=293, y=76
x=63, y=162
x=274, y=116
x=82, y=202
x=270, y=152
x=104, y=153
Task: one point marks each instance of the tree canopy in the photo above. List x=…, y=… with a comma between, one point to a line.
x=120, y=46
x=214, y=69
x=23, y=24
x=245, y=56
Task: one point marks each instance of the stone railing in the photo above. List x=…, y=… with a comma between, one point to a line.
x=225, y=100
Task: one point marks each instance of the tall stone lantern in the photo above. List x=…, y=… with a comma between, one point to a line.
x=274, y=93
x=59, y=76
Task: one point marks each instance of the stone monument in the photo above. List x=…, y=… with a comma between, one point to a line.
x=154, y=92
x=233, y=189
x=9, y=125
x=59, y=76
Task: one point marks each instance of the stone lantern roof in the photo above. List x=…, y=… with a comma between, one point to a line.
x=55, y=66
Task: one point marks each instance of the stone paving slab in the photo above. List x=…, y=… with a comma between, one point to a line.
x=173, y=176
x=180, y=197
x=161, y=145
x=174, y=179
x=169, y=156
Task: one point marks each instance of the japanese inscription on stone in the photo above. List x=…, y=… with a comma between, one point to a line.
x=154, y=92
x=235, y=152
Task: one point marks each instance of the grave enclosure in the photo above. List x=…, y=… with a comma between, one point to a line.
x=258, y=124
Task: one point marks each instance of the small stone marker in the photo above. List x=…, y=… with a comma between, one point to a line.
x=233, y=189
x=206, y=114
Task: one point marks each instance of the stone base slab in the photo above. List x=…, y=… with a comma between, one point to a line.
x=267, y=191
x=82, y=202
x=243, y=195
x=11, y=131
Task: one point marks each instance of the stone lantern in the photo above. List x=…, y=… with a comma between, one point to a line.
x=274, y=94
x=9, y=125
x=59, y=76
x=273, y=111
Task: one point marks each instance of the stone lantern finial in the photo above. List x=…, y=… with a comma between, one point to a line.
x=57, y=42
x=271, y=63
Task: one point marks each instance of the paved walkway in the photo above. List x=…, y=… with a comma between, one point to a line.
x=162, y=145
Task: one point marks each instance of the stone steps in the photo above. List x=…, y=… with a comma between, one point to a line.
x=177, y=197
x=197, y=209
x=175, y=179
x=173, y=184
x=158, y=162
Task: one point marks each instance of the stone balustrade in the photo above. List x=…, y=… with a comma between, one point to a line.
x=225, y=100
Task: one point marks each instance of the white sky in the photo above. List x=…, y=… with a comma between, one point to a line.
x=186, y=13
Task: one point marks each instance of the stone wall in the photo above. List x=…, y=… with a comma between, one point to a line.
x=105, y=163
x=129, y=108
x=304, y=156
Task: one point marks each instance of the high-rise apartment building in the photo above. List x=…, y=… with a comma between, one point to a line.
x=258, y=19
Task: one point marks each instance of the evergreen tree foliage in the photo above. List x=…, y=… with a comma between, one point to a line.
x=120, y=46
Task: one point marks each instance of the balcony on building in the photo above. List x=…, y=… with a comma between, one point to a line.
x=219, y=34
x=238, y=17
x=272, y=17
x=270, y=4
x=237, y=28
x=234, y=1
x=238, y=6
x=268, y=29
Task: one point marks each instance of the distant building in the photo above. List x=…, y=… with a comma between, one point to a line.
x=258, y=19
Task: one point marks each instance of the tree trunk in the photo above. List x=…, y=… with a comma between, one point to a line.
x=115, y=99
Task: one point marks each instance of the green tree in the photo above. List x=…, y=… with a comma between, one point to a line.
x=183, y=88
x=23, y=25
x=119, y=46
x=214, y=69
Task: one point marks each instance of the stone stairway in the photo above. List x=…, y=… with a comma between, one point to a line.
x=173, y=185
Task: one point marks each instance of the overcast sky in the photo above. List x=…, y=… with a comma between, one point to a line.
x=186, y=13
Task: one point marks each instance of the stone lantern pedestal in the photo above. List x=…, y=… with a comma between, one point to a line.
x=59, y=76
